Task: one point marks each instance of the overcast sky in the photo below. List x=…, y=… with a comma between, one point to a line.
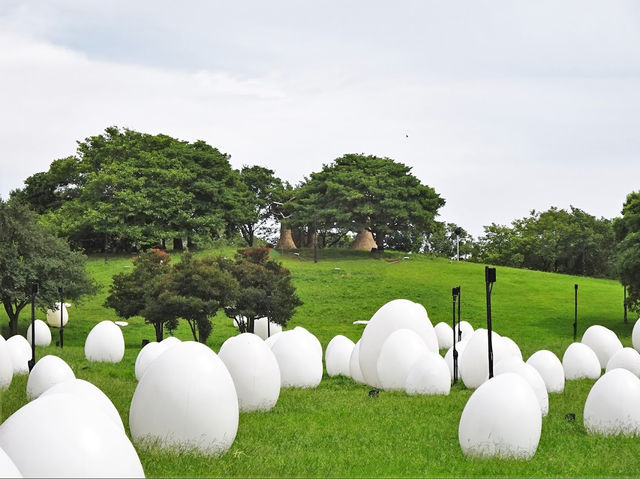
x=508, y=105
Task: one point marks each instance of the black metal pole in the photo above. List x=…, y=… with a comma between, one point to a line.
x=459, y=301
x=106, y=219
x=455, y=351
x=34, y=292
x=490, y=278
x=60, y=292
x=315, y=240
x=625, y=304
x=268, y=313
x=575, y=312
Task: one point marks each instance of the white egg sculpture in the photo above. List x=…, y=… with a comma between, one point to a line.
x=612, y=404
x=635, y=335
x=148, y=354
x=511, y=347
x=186, y=398
x=626, y=358
x=429, y=375
x=170, y=341
x=271, y=340
x=298, y=358
x=260, y=328
x=6, y=365
x=394, y=315
x=448, y=357
x=104, y=343
x=338, y=355
x=43, y=333
x=550, y=368
x=603, y=341
x=579, y=361
x=513, y=364
x=311, y=339
x=444, y=333
x=62, y=435
x=53, y=315
x=254, y=370
x=7, y=467
x=90, y=393
x=399, y=352
x=474, y=363
x=465, y=328
x=47, y=372
x=501, y=419
x=354, y=365
x=20, y=350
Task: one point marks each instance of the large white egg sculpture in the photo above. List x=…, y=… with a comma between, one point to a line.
x=501, y=419
x=429, y=375
x=511, y=347
x=635, y=335
x=464, y=330
x=53, y=315
x=62, y=435
x=444, y=333
x=47, y=372
x=271, y=340
x=338, y=355
x=104, y=343
x=550, y=368
x=474, y=363
x=7, y=467
x=186, y=398
x=612, y=404
x=394, y=315
x=6, y=365
x=260, y=328
x=170, y=341
x=147, y=355
x=448, y=357
x=603, y=341
x=20, y=351
x=626, y=358
x=354, y=365
x=298, y=358
x=254, y=370
x=579, y=361
x=399, y=352
x=90, y=393
x=513, y=364
x=43, y=333
x=311, y=339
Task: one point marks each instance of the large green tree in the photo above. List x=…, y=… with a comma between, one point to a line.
x=627, y=230
x=30, y=253
x=358, y=192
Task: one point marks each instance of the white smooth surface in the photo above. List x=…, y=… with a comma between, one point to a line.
x=550, y=368
x=60, y=435
x=298, y=357
x=579, y=361
x=260, y=328
x=429, y=374
x=148, y=354
x=7, y=467
x=43, y=333
x=6, y=364
x=474, y=363
x=527, y=372
x=635, y=335
x=612, y=404
x=603, y=341
x=48, y=371
x=338, y=355
x=394, y=315
x=399, y=352
x=466, y=328
x=626, y=358
x=448, y=357
x=104, y=343
x=20, y=351
x=354, y=364
x=186, y=398
x=444, y=333
x=53, y=315
x=254, y=370
x=501, y=419
x=511, y=347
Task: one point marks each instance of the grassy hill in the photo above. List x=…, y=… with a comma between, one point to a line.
x=336, y=429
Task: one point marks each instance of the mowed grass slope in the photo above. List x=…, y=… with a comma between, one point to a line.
x=336, y=430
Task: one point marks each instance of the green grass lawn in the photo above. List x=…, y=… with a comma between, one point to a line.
x=336, y=430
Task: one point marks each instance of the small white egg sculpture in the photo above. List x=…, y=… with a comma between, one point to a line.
x=71, y=439
x=626, y=358
x=186, y=398
x=354, y=365
x=444, y=333
x=260, y=328
x=474, y=363
x=399, y=352
x=466, y=329
x=429, y=375
x=338, y=355
x=512, y=364
x=603, y=341
x=43, y=333
x=511, y=347
x=501, y=419
x=635, y=335
x=7, y=467
x=612, y=404
x=47, y=372
x=90, y=393
x=298, y=358
x=394, y=315
x=53, y=315
x=20, y=350
x=550, y=368
x=448, y=357
x=254, y=370
x=6, y=365
x=170, y=341
x=579, y=361
x=148, y=354
x=104, y=343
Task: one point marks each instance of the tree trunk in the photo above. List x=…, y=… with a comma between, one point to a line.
x=177, y=244
x=13, y=315
x=286, y=239
x=190, y=244
x=158, y=327
x=364, y=241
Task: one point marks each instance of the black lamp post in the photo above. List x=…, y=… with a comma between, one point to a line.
x=625, y=303
x=575, y=311
x=315, y=239
x=34, y=292
x=489, y=279
x=458, y=232
x=60, y=292
x=454, y=295
x=268, y=293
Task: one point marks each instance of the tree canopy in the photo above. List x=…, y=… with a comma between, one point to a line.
x=627, y=231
